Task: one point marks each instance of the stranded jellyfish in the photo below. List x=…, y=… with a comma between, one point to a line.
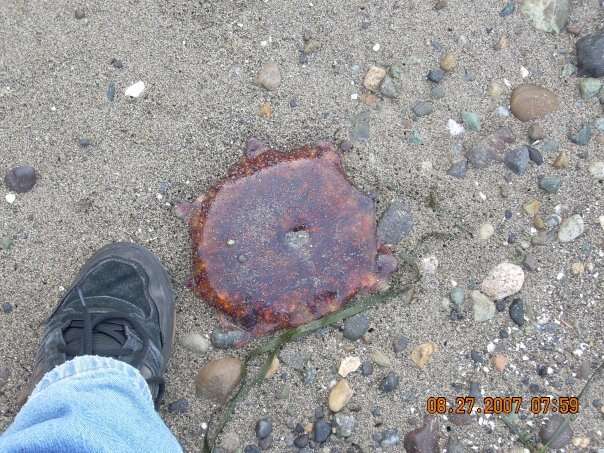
x=284, y=239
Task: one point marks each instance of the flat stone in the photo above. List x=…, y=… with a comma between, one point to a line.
x=571, y=228
x=550, y=184
x=500, y=362
x=504, y=280
x=423, y=439
x=517, y=159
x=536, y=132
x=436, y=75
x=547, y=15
x=321, y=431
x=471, y=121
x=490, y=148
x=264, y=428
x=195, y=342
x=20, y=179
x=517, y=312
x=222, y=339
x=582, y=136
x=422, y=354
x=529, y=102
x=483, y=307
x=390, y=382
x=589, y=87
x=339, y=395
x=396, y=223
x=554, y=433
x=381, y=359
x=344, y=425
x=485, y=231
x=437, y=92
x=355, y=327
x=590, y=54
x=180, y=406
x=218, y=378
x=422, y=108
x=373, y=78
x=535, y=155
x=269, y=77
x=596, y=170
x=388, y=88
x=349, y=365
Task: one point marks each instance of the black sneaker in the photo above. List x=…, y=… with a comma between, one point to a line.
x=121, y=305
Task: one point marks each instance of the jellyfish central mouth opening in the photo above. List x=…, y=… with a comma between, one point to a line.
x=297, y=238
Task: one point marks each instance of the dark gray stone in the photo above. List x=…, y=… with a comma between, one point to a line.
x=390, y=438
x=582, y=136
x=550, y=184
x=225, y=339
x=180, y=406
x=321, y=431
x=517, y=159
x=111, y=91
x=436, y=75
x=396, y=223
x=422, y=108
x=535, y=155
x=390, y=382
x=20, y=179
x=264, y=427
x=388, y=88
x=400, y=344
x=590, y=54
x=554, y=434
x=517, y=312
x=355, y=327
x=367, y=368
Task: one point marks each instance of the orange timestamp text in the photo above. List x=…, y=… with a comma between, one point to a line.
x=539, y=405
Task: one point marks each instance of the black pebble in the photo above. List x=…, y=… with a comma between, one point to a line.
x=542, y=370
x=367, y=368
x=517, y=312
x=117, y=64
x=79, y=13
x=503, y=333
x=20, y=179
x=264, y=427
x=180, y=406
x=535, y=155
x=477, y=357
x=301, y=441
x=322, y=431
x=500, y=305
x=590, y=49
x=390, y=382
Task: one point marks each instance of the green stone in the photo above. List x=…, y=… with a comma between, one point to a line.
x=547, y=15
x=568, y=70
x=415, y=138
x=471, y=120
x=6, y=244
x=589, y=87
x=395, y=72
x=457, y=295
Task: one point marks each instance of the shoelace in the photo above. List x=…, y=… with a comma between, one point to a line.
x=100, y=324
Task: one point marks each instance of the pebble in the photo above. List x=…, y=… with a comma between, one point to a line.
x=495, y=89
x=550, y=184
x=571, y=228
x=360, y=127
x=485, y=231
x=517, y=312
x=390, y=438
x=179, y=407
x=517, y=160
x=225, y=339
x=488, y=149
x=6, y=244
x=269, y=77
x=423, y=439
x=589, y=87
x=373, y=78
x=428, y=265
x=441, y=4
x=455, y=128
x=471, y=120
x=218, y=378
x=483, y=307
x=561, y=161
x=265, y=110
x=355, y=327
x=195, y=342
x=589, y=51
x=422, y=108
x=600, y=124
x=536, y=132
x=344, y=425
x=458, y=169
x=367, y=368
x=437, y=92
x=116, y=63
x=301, y=441
x=349, y=365
x=502, y=43
x=396, y=223
x=251, y=449
x=400, y=344
x=20, y=179
x=135, y=90
x=448, y=62
x=321, y=431
x=388, y=88
x=508, y=9
x=79, y=13
x=436, y=75
x=381, y=359
x=457, y=295
x=339, y=395
x=568, y=70
x=552, y=434
x=530, y=102
x=111, y=91
x=504, y=280
x=547, y=15
x=294, y=359
x=415, y=138
x=596, y=170
x=535, y=155
x=500, y=362
x=264, y=428
x=422, y=354
x=477, y=357
x=390, y=382
x=582, y=136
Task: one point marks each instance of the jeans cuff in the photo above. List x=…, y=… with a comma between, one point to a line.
x=91, y=366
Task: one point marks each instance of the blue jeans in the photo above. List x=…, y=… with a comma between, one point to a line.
x=89, y=404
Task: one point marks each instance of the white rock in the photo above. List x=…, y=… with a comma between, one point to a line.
x=571, y=228
x=195, y=342
x=601, y=219
x=504, y=280
x=484, y=308
x=428, y=265
x=485, y=231
x=455, y=128
x=10, y=198
x=136, y=90
x=349, y=365
x=597, y=169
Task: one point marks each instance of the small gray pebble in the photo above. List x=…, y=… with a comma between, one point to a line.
x=422, y=108
x=517, y=160
x=264, y=427
x=321, y=431
x=437, y=92
x=390, y=382
x=535, y=155
x=517, y=312
x=458, y=169
x=355, y=327
x=550, y=184
x=20, y=179
x=436, y=75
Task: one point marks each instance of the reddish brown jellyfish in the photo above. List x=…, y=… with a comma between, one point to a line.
x=285, y=239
